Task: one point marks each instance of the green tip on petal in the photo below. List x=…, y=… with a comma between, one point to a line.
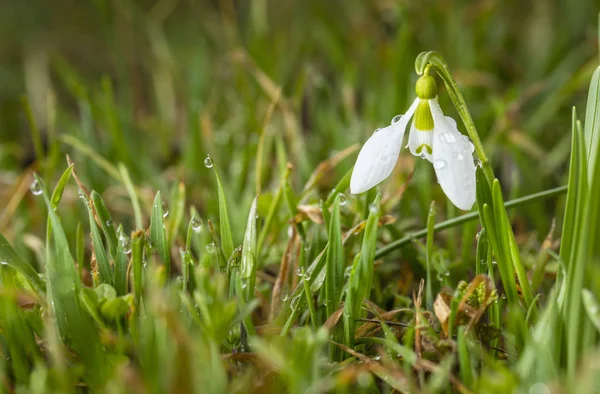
x=426, y=87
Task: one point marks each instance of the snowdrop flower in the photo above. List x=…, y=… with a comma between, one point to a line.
x=432, y=136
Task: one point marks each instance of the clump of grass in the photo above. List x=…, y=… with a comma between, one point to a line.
x=253, y=269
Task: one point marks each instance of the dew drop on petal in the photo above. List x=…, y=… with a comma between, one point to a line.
x=376, y=130
x=373, y=208
x=447, y=137
x=439, y=164
x=299, y=271
x=470, y=143
x=208, y=163
x=284, y=296
x=210, y=248
x=196, y=224
x=165, y=209
x=343, y=199
x=35, y=187
x=458, y=156
x=396, y=119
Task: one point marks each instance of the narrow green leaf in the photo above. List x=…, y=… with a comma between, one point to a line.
x=464, y=358
x=137, y=255
x=98, y=246
x=10, y=257
x=361, y=276
x=137, y=212
x=158, y=234
x=248, y=267
x=592, y=307
x=273, y=207
x=106, y=222
x=334, y=262
x=177, y=211
x=224, y=226
x=64, y=285
x=123, y=248
x=429, y=256
x=591, y=134
x=341, y=186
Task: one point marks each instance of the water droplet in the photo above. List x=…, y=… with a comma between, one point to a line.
x=125, y=244
x=284, y=296
x=439, y=164
x=343, y=199
x=109, y=223
x=256, y=216
x=469, y=142
x=593, y=309
x=295, y=302
x=458, y=156
x=165, y=209
x=539, y=388
x=396, y=119
x=196, y=223
x=447, y=273
x=376, y=130
x=36, y=188
x=373, y=208
x=210, y=248
x=149, y=245
x=384, y=158
x=447, y=138
x=494, y=262
x=325, y=302
x=290, y=231
x=244, y=285
x=300, y=271
x=503, y=296
x=4, y=262
x=476, y=161
x=81, y=194
x=306, y=275
x=208, y=163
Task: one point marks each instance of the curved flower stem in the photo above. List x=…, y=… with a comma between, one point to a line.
x=423, y=63
x=466, y=218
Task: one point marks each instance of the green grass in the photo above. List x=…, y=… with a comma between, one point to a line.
x=175, y=213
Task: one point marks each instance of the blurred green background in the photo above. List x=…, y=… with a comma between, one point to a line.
x=158, y=85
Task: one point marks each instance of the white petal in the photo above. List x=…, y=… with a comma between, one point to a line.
x=419, y=141
x=452, y=160
x=379, y=154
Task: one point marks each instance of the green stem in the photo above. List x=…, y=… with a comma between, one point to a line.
x=466, y=218
x=423, y=63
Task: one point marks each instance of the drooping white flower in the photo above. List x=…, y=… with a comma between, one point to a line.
x=432, y=136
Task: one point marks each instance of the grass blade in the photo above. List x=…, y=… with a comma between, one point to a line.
x=248, y=266
x=158, y=234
